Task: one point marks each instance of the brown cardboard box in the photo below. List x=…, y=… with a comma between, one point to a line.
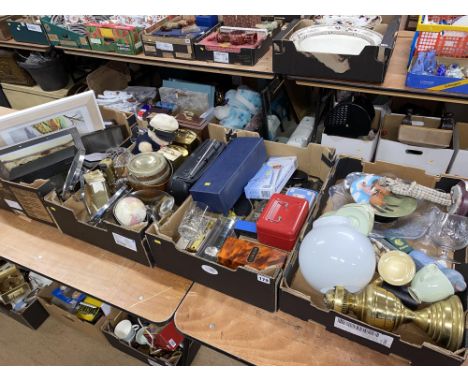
x=69, y=319
x=244, y=283
x=299, y=299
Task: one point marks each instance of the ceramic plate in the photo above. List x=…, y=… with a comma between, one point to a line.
x=366, y=21
x=334, y=39
x=396, y=268
x=364, y=189
x=359, y=216
x=147, y=164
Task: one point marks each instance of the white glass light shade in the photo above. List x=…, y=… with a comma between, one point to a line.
x=332, y=255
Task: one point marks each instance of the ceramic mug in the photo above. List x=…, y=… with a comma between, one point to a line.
x=140, y=337
x=125, y=331
x=430, y=285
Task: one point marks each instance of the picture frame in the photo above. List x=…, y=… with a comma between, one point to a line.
x=79, y=111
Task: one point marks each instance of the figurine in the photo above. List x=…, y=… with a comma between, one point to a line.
x=430, y=62
x=441, y=70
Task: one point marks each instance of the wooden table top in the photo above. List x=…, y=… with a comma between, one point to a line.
x=150, y=293
x=395, y=79
x=263, y=338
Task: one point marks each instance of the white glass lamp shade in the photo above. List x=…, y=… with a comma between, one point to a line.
x=332, y=255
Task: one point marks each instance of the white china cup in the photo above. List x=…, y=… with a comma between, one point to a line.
x=125, y=331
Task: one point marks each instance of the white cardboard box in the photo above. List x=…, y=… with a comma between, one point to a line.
x=358, y=148
x=460, y=164
x=434, y=161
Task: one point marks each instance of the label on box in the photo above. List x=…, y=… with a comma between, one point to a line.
x=124, y=241
x=164, y=46
x=363, y=332
x=34, y=27
x=210, y=270
x=221, y=57
x=95, y=41
x=263, y=279
x=187, y=41
x=13, y=204
x=417, y=123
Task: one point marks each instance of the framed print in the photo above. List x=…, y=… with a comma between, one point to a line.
x=78, y=111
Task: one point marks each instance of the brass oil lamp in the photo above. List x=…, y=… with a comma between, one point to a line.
x=443, y=321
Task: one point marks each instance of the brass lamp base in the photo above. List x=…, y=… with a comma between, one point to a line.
x=443, y=321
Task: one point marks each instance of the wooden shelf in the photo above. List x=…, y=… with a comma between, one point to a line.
x=262, y=338
x=24, y=45
x=394, y=84
x=263, y=68
x=150, y=293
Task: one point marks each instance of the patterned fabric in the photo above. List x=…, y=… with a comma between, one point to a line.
x=417, y=191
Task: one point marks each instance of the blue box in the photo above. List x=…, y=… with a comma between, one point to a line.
x=223, y=183
x=206, y=21
x=434, y=83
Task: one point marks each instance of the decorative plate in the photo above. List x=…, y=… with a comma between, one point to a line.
x=334, y=39
x=363, y=21
x=366, y=190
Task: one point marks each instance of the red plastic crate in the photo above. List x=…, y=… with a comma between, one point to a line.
x=446, y=44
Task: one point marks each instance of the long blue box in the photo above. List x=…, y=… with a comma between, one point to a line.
x=223, y=183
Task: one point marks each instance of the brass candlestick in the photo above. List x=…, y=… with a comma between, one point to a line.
x=443, y=321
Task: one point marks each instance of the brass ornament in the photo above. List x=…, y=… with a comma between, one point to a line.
x=443, y=321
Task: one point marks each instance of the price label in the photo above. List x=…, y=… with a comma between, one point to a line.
x=263, y=279
x=95, y=41
x=221, y=57
x=363, y=332
x=34, y=27
x=13, y=204
x=164, y=46
x=124, y=241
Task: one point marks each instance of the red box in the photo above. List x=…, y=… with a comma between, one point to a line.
x=281, y=220
x=169, y=338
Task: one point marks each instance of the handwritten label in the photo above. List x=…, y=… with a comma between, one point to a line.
x=363, y=332
x=164, y=46
x=124, y=241
x=13, y=204
x=263, y=279
x=34, y=27
x=221, y=57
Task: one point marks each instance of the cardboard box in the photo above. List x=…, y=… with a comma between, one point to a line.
x=433, y=160
x=22, y=31
x=69, y=319
x=26, y=196
x=259, y=289
x=5, y=33
x=369, y=66
x=459, y=166
x=32, y=316
x=59, y=35
x=189, y=350
x=359, y=148
x=71, y=219
x=243, y=56
x=300, y=300
x=115, y=38
x=169, y=47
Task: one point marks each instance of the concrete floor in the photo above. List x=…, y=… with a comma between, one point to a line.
x=55, y=343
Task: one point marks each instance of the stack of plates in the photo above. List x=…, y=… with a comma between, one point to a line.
x=360, y=216
x=148, y=170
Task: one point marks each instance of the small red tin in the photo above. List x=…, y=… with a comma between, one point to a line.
x=281, y=220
